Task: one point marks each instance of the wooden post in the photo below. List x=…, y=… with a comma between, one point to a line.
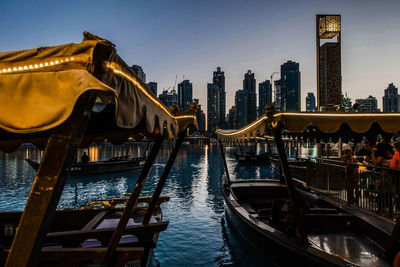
x=48, y=185
x=297, y=211
x=130, y=205
x=225, y=165
x=163, y=178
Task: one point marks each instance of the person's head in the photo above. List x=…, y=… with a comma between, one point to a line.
x=396, y=146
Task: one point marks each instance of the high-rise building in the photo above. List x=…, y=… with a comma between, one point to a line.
x=264, y=96
x=329, y=79
x=201, y=117
x=369, y=104
x=291, y=86
x=153, y=87
x=216, y=102
x=241, y=104
x=278, y=95
x=230, y=120
x=139, y=72
x=168, y=98
x=185, y=95
x=310, y=102
x=390, y=99
x=249, y=86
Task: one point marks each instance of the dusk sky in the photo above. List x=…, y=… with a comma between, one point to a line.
x=192, y=38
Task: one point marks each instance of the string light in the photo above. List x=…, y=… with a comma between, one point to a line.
x=36, y=65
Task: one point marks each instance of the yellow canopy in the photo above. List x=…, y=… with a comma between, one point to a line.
x=39, y=89
x=325, y=123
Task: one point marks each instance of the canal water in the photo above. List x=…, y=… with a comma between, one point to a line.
x=198, y=233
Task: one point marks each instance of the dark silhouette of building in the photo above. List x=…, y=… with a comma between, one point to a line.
x=185, y=95
x=329, y=80
x=264, y=96
x=153, y=87
x=391, y=99
x=249, y=86
x=310, y=102
x=230, y=118
x=241, y=104
x=278, y=103
x=139, y=72
x=201, y=117
x=168, y=98
x=291, y=86
x=216, y=102
x=369, y=104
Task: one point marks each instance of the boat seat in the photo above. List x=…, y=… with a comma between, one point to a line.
x=259, y=191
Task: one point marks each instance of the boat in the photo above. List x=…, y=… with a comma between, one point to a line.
x=52, y=91
x=294, y=224
x=255, y=158
x=114, y=164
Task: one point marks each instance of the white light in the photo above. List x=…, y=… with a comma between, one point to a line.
x=57, y=62
x=67, y=59
x=40, y=65
x=4, y=70
x=72, y=59
x=46, y=64
x=30, y=66
x=20, y=68
x=51, y=63
x=36, y=66
x=15, y=69
x=25, y=67
x=9, y=69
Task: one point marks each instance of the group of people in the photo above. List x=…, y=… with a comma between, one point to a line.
x=380, y=154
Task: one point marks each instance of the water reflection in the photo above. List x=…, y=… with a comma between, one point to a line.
x=198, y=233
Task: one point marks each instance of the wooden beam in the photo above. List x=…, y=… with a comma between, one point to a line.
x=48, y=185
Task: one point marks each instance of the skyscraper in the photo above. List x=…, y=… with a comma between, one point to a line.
x=278, y=95
x=216, y=102
x=153, y=87
x=201, y=117
x=310, y=102
x=291, y=86
x=264, y=96
x=329, y=80
x=139, y=72
x=168, y=98
x=369, y=104
x=185, y=95
x=241, y=104
x=391, y=99
x=249, y=86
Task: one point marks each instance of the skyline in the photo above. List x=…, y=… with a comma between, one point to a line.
x=194, y=38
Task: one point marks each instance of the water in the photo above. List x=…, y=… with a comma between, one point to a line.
x=198, y=233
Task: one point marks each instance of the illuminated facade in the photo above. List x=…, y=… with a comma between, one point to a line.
x=329, y=79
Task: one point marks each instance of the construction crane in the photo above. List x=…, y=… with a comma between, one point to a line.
x=176, y=79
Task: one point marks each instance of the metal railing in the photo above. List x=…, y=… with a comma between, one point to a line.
x=374, y=189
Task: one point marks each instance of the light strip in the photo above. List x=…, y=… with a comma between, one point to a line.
x=35, y=66
x=117, y=69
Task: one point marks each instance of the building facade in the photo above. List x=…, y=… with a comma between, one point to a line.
x=153, y=87
x=185, y=95
x=390, y=99
x=278, y=95
x=138, y=70
x=290, y=86
x=264, y=96
x=201, y=117
x=369, y=104
x=249, y=86
x=310, y=102
x=241, y=105
x=329, y=79
x=216, y=102
x=168, y=98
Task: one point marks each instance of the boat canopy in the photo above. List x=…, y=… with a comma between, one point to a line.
x=320, y=126
x=41, y=87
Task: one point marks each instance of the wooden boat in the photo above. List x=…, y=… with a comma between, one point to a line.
x=255, y=158
x=293, y=224
x=115, y=164
x=52, y=91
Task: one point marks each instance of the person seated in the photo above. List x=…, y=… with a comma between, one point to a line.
x=395, y=162
x=364, y=154
x=380, y=155
x=85, y=158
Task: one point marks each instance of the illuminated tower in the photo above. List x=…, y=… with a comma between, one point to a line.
x=329, y=78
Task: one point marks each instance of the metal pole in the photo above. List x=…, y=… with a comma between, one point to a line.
x=130, y=205
x=223, y=156
x=163, y=178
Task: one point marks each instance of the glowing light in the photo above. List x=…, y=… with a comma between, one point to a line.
x=15, y=69
x=9, y=69
x=20, y=68
x=56, y=62
x=4, y=70
x=36, y=66
x=40, y=65
x=25, y=67
x=30, y=67
x=51, y=63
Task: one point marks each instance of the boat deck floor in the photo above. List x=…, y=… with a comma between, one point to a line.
x=355, y=248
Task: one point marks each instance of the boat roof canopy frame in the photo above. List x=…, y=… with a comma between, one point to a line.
x=321, y=126
x=40, y=88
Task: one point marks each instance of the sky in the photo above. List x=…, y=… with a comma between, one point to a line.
x=192, y=38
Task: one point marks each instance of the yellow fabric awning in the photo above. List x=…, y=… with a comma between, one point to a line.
x=39, y=89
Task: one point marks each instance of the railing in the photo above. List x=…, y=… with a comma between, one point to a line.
x=374, y=189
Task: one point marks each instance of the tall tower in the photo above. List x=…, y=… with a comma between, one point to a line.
x=249, y=86
x=291, y=86
x=329, y=79
x=219, y=81
x=185, y=95
x=264, y=96
x=216, y=102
